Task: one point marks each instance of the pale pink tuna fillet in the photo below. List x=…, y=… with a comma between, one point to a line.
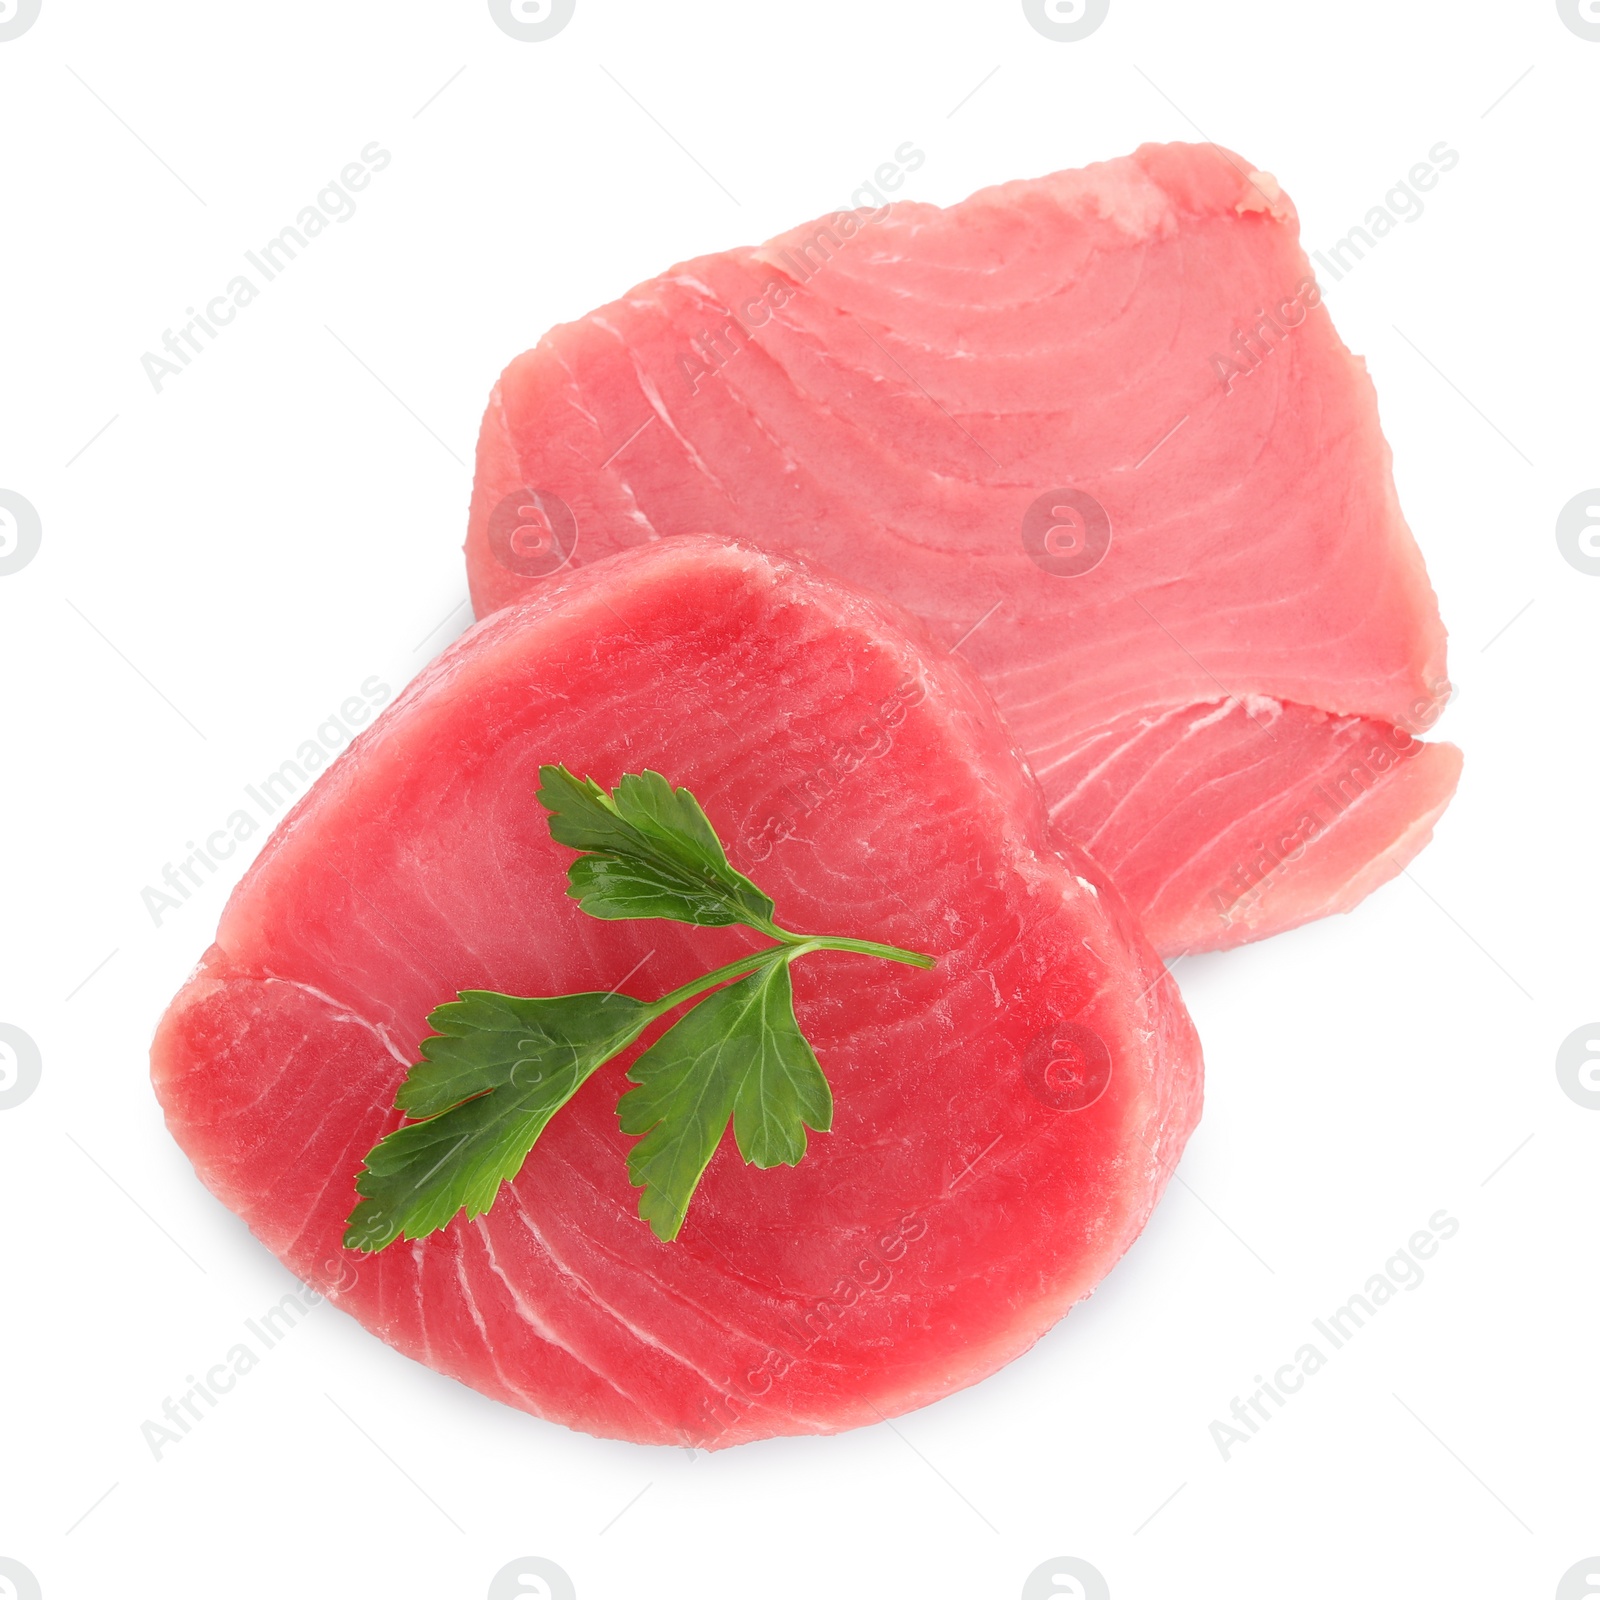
x=961, y=1203
x=890, y=396
x=1237, y=819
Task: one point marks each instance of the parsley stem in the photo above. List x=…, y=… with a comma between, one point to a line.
x=710, y=980
x=860, y=947
x=790, y=947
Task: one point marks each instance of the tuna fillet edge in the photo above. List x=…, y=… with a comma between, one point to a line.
x=1098, y=429
x=1003, y=1124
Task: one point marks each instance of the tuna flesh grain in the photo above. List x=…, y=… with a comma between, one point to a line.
x=1097, y=429
x=1003, y=1124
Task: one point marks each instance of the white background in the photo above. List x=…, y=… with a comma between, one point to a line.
x=224, y=562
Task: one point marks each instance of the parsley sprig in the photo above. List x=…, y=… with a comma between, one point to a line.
x=497, y=1068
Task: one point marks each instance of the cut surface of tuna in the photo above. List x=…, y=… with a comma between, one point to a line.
x=1097, y=429
x=1229, y=821
x=1003, y=1124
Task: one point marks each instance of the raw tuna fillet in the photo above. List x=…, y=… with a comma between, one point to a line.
x=1098, y=431
x=1003, y=1124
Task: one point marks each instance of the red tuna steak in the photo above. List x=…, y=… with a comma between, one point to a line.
x=1098, y=430
x=1003, y=1124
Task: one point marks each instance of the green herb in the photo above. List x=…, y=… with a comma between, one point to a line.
x=494, y=1072
x=496, y=1068
x=740, y=1054
x=651, y=853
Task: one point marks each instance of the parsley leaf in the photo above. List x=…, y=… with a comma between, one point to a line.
x=496, y=1068
x=739, y=1054
x=651, y=852
x=493, y=1073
